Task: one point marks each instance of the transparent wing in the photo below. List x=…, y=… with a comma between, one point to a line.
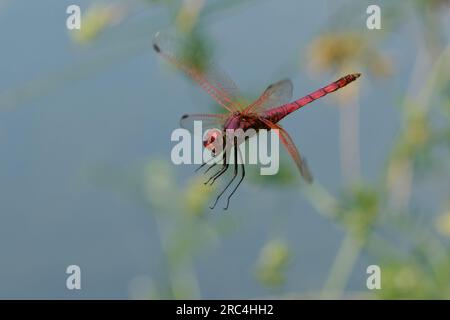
x=292, y=149
x=191, y=56
x=221, y=79
x=207, y=121
x=275, y=95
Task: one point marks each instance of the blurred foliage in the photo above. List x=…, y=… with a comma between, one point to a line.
x=443, y=224
x=272, y=263
x=380, y=218
x=195, y=49
x=287, y=175
x=184, y=231
x=359, y=210
x=344, y=52
x=376, y=217
x=95, y=19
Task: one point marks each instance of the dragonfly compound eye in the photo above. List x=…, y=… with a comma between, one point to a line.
x=211, y=138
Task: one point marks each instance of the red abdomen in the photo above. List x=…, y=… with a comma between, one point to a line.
x=276, y=114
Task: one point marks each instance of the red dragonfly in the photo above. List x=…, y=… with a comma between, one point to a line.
x=263, y=113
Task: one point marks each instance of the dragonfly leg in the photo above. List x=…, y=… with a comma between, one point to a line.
x=232, y=179
x=216, y=176
x=220, y=171
x=210, y=167
x=237, y=186
x=205, y=163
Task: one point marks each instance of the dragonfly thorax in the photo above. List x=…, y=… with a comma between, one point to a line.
x=243, y=121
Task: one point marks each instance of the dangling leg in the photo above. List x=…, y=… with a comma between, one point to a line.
x=215, y=177
x=234, y=176
x=210, y=167
x=220, y=171
x=202, y=165
x=207, y=162
x=237, y=186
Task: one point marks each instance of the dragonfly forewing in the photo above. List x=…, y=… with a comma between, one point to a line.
x=192, y=56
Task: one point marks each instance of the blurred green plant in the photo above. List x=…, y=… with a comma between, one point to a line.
x=379, y=218
x=184, y=231
x=272, y=263
x=96, y=19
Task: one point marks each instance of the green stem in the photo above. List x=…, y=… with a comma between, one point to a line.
x=342, y=267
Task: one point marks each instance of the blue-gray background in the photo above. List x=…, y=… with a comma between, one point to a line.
x=113, y=104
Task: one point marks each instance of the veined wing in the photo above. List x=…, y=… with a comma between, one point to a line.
x=286, y=140
x=208, y=121
x=184, y=54
x=275, y=95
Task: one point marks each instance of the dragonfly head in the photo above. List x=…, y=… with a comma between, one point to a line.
x=212, y=140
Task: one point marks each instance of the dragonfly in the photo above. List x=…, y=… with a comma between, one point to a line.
x=265, y=112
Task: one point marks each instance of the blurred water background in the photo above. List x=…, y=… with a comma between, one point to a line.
x=86, y=177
